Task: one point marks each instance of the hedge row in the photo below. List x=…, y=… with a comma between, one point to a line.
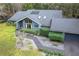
x=44, y=32
x=56, y=36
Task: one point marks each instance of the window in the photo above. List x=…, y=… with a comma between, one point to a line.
x=36, y=25
x=28, y=20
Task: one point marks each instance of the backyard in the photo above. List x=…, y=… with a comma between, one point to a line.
x=8, y=43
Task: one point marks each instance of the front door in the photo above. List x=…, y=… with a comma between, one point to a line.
x=20, y=24
x=28, y=23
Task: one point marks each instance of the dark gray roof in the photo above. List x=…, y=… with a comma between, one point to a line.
x=17, y=16
x=35, y=14
x=67, y=25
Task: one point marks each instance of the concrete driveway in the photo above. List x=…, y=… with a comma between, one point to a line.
x=71, y=48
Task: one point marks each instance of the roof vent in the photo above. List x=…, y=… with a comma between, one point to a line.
x=39, y=17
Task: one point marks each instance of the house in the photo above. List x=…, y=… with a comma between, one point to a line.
x=35, y=18
x=53, y=19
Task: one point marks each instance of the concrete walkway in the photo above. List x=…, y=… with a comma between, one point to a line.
x=24, y=41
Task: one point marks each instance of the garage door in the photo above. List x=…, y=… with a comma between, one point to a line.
x=69, y=36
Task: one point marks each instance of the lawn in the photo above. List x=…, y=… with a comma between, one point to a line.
x=8, y=43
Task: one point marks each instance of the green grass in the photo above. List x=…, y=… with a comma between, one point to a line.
x=8, y=43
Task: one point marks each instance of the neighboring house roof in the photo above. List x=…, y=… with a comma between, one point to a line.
x=68, y=25
x=42, y=17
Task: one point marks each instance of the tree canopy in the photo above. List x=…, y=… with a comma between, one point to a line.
x=69, y=9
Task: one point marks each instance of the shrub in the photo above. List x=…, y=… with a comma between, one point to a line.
x=56, y=36
x=44, y=32
x=31, y=31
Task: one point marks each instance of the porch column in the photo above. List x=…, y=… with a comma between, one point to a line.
x=39, y=26
x=24, y=24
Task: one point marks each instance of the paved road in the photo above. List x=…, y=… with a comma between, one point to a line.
x=40, y=46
